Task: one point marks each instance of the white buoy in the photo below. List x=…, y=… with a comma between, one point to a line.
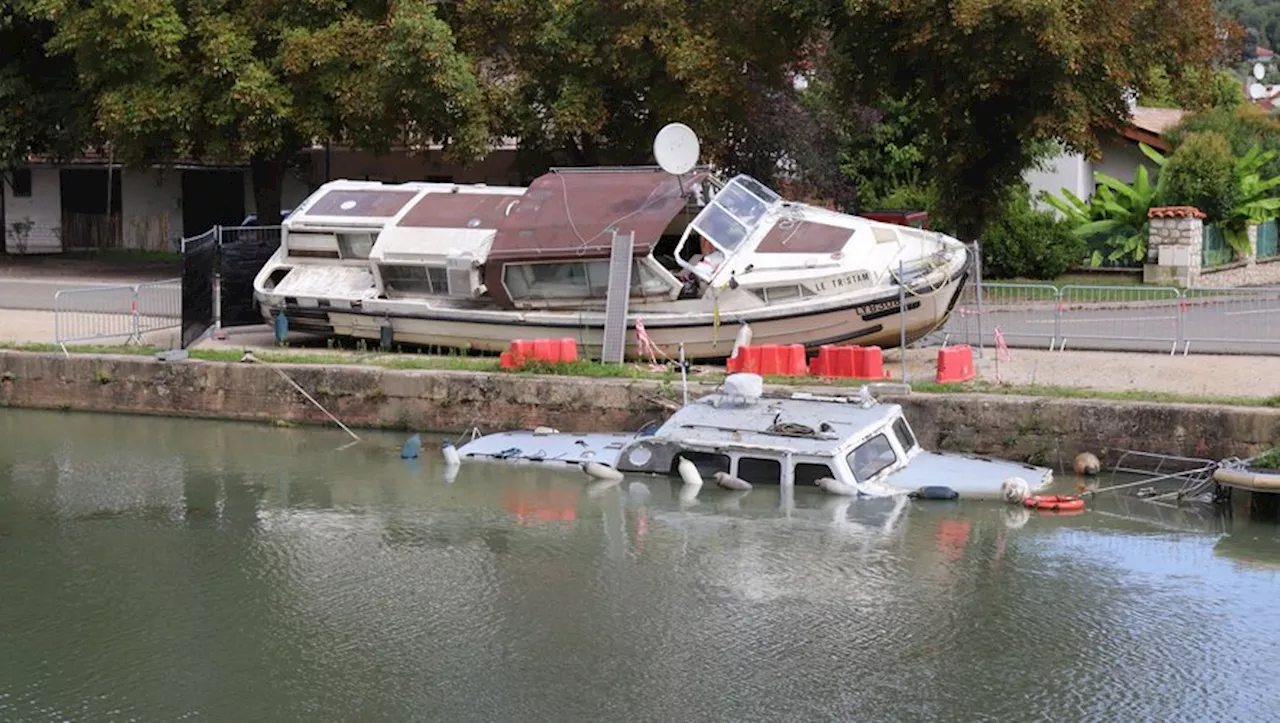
x=1087, y=464
x=1014, y=490
x=833, y=486
x=601, y=471
x=727, y=481
x=743, y=339
x=451, y=458
x=689, y=473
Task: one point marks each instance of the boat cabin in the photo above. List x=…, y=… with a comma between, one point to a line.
x=781, y=440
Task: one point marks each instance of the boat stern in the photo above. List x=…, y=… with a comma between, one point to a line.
x=971, y=476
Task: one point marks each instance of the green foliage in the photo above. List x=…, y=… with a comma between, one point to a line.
x=1113, y=223
x=1269, y=459
x=256, y=80
x=1243, y=127
x=992, y=78
x=890, y=157
x=1254, y=199
x=1201, y=173
x=1027, y=243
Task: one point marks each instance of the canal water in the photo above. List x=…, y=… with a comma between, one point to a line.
x=165, y=569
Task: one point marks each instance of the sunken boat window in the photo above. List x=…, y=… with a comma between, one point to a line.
x=355, y=245
x=708, y=463
x=760, y=471
x=905, y=435
x=808, y=473
x=415, y=279
x=871, y=458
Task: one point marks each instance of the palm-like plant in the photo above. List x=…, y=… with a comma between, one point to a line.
x=1255, y=200
x=1114, y=220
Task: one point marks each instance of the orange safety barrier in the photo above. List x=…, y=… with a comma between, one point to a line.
x=551, y=351
x=769, y=360
x=849, y=362
x=955, y=364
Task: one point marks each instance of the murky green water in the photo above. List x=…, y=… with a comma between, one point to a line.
x=159, y=570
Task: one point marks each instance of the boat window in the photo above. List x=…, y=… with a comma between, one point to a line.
x=760, y=471
x=355, y=245
x=708, y=463
x=808, y=473
x=734, y=213
x=871, y=458
x=780, y=293
x=576, y=280
x=415, y=279
x=905, y=435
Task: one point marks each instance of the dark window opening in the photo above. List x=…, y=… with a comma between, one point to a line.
x=22, y=183
x=905, y=435
x=760, y=471
x=808, y=473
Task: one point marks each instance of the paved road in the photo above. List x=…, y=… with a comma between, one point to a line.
x=1232, y=325
x=107, y=297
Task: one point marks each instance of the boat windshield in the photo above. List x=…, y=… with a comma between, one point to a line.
x=734, y=213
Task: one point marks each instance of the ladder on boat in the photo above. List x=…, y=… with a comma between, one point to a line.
x=617, y=298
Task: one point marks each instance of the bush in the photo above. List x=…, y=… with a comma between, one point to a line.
x=1027, y=243
x=1201, y=173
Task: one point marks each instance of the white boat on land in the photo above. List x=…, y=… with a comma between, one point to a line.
x=666, y=258
x=865, y=446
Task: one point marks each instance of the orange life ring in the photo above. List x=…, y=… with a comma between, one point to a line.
x=1055, y=503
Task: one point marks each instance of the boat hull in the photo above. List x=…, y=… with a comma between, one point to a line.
x=867, y=322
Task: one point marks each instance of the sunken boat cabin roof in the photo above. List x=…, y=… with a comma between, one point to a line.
x=351, y=204
x=777, y=424
x=569, y=213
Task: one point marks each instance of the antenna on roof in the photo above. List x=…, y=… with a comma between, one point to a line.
x=676, y=148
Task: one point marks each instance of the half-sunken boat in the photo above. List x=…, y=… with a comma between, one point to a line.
x=796, y=440
x=623, y=260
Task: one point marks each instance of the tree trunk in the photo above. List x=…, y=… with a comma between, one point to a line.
x=267, y=175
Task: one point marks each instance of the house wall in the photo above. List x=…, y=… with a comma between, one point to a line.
x=151, y=206
x=1121, y=158
x=293, y=191
x=43, y=210
x=1071, y=171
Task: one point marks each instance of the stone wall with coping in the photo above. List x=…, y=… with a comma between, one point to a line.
x=1019, y=428
x=1176, y=247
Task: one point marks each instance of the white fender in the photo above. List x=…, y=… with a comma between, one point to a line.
x=601, y=471
x=833, y=486
x=729, y=482
x=689, y=473
x=451, y=458
x=1014, y=490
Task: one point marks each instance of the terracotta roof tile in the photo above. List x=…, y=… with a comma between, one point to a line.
x=1175, y=212
x=1156, y=120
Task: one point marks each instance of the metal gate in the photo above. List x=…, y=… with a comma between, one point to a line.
x=199, y=262
x=243, y=252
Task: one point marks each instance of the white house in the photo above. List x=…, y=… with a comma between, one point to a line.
x=50, y=208
x=1120, y=156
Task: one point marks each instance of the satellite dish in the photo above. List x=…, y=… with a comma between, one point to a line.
x=676, y=148
x=1257, y=91
x=1259, y=70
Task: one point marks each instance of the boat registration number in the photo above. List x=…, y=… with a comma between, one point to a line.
x=842, y=283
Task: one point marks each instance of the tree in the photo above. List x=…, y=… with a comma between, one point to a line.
x=992, y=79
x=1201, y=173
x=590, y=82
x=257, y=79
x=42, y=108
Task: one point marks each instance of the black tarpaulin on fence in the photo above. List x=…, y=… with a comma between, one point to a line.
x=199, y=262
x=244, y=251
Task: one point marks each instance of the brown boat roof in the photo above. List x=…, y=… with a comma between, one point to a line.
x=806, y=237
x=459, y=210
x=360, y=203
x=567, y=214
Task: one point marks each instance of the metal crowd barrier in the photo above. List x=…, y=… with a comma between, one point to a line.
x=116, y=314
x=1119, y=318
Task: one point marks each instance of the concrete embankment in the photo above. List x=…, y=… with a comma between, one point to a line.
x=1023, y=428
